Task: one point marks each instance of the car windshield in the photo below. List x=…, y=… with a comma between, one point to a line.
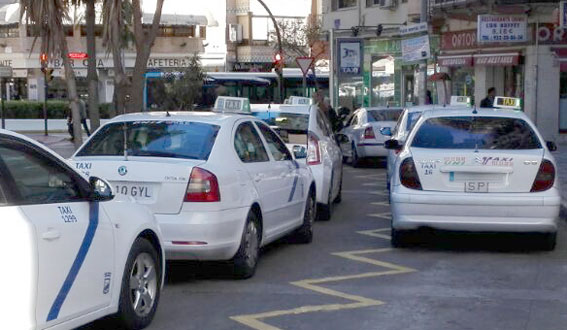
x=469, y=132
x=384, y=115
x=189, y=140
x=291, y=122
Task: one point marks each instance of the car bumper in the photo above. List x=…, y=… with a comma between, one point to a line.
x=213, y=235
x=322, y=179
x=371, y=150
x=463, y=212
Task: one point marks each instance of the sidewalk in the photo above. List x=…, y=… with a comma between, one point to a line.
x=561, y=158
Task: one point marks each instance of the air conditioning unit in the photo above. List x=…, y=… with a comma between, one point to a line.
x=388, y=4
x=235, y=33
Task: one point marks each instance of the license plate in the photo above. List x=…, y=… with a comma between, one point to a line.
x=138, y=191
x=476, y=186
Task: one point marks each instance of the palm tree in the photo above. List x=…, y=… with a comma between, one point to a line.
x=92, y=76
x=46, y=18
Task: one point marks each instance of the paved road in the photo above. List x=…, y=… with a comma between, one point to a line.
x=349, y=278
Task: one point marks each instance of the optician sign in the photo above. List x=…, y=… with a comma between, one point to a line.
x=502, y=28
x=416, y=49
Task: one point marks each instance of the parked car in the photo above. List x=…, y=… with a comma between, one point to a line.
x=363, y=133
x=73, y=253
x=475, y=170
x=221, y=185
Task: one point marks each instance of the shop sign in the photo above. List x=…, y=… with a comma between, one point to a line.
x=413, y=29
x=5, y=71
x=563, y=14
x=416, y=49
x=497, y=59
x=350, y=56
x=463, y=60
x=551, y=34
x=459, y=40
x=502, y=28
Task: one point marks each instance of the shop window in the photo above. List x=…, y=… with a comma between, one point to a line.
x=339, y=4
x=9, y=31
x=563, y=103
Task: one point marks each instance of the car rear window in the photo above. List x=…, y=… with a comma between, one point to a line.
x=384, y=115
x=476, y=133
x=173, y=139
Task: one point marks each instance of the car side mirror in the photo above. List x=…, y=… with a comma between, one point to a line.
x=342, y=139
x=100, y=190
x=551, y=146
x=392, y=145
x=386, y=131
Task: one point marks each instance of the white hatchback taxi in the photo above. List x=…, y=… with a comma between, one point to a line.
x=308, y=134
x=475, y=170
x=78, y=255
x=363, y=131
x=221, y=185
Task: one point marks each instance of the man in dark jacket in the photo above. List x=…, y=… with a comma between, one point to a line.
x=488, y=101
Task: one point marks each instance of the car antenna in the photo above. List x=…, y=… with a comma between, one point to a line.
x=474, y=110
x=167, y=113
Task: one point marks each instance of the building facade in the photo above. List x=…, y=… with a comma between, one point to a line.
x=533, y=69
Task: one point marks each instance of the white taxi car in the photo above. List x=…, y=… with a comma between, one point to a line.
x=77, y=255
x=308, y=134
x=221, y=185
x=363, y=132
x=475, y=170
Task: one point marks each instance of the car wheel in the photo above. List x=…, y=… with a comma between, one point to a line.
x=304, y=234
x=549, y=241
x=325, y=212
x=399, y=238
x=141, y=285
x=246, y=258
x=355, y=162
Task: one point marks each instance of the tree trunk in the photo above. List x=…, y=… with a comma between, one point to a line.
x=144, y=43
x=72, y=93
x=92, y=77
x=120, y=79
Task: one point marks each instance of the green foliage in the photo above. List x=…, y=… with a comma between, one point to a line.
x=181, y=91
x=34, y=109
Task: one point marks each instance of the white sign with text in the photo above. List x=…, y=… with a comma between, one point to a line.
x=502, y=28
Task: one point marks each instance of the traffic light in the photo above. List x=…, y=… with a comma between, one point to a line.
x=278, y=61
x=44, y=60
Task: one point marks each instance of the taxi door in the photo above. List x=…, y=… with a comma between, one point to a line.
x=74, y=237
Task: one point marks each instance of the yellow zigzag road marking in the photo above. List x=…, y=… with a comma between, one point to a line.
x=255, y=320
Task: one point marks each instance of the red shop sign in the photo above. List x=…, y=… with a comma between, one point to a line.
x=457, y=60
x=459, y=40
x=549, y=34
x=497, y=59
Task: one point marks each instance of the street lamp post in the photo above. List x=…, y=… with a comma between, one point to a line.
x=280, y=49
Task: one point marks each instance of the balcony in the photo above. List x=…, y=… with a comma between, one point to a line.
x=435, y=4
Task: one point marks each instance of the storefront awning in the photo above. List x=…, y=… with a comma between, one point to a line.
x=497, y=59
x=561, y=54
x=455, y=60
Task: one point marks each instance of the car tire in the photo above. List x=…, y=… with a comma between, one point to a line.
x=141, y=286
x=549, y=241
x=325, y=212
x=399, y=238
x=304, y=234
x=355, y=161
x=246, y=258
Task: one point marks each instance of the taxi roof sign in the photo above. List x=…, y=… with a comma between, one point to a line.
x=502, y=102
x=460, y=100
x=232, y=104
x=298, y=100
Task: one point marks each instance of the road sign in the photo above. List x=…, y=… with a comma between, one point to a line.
x=5, y=71
x=414, y=28
x=304, y=64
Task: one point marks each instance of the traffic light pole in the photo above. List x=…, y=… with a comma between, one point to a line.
x=279, y=71
x=45, y=86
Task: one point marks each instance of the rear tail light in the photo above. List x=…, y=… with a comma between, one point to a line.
x=313, y=152
x=408, y=174
x=203, y=187
x=545, y=177
x=369, y=133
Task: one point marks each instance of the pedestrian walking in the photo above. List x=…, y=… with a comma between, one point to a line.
x=488, y=101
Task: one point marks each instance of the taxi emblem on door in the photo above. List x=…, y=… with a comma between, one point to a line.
x=122, y=170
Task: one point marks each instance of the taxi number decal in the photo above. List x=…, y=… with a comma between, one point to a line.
x=106, y=286
x=67, y=214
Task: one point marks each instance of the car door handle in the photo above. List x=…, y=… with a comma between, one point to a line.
x=259, y=177
x=51, y=235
